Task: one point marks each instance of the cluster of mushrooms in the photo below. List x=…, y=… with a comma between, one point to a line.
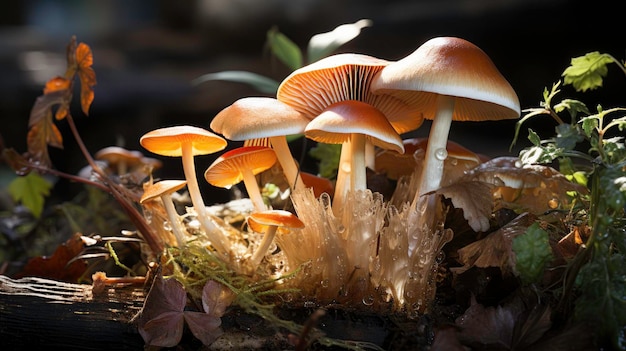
x=349, y=243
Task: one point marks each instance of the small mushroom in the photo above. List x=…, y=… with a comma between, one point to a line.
x=186, y=142
x=164, y=190
x=242, y=163
x=354, y=122
x=119, y=158
x=260, y=118
x=447, y=79
x=268, y=222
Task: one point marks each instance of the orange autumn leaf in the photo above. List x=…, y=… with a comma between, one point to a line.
x=86, y=74
x=56, y=84
x=42, y=130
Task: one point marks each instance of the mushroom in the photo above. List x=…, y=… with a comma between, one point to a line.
x=354, y=122
x=260, y=118
x=268, y=222
x=164, y=190
x=186, y=142
x=447, y=79
x=242, y=163
x=340, y=77
x=119, y=158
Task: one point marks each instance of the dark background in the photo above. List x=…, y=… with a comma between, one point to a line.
x=147, y=52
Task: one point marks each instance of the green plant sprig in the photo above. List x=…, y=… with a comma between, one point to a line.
x=594, y=279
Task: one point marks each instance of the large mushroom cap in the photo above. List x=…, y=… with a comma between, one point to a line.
x=312, y=88
x=168, y=141
x=339, y=121
x=258, y=117
x=454, y=67
x=227, y=169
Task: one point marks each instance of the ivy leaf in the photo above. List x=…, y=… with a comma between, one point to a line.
x=323, y=44
x=587, y=72
x=284, y=49
x=257, y=81
x=31, y=190
x=532, y=253
x=86, y=74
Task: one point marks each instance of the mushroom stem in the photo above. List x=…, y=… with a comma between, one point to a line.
x=252, y=187
x=290, y=169
x=342, y=183
x=432, y=170
x=172, y=215
x=211, y=230
x=260, y=252
x=358, y=174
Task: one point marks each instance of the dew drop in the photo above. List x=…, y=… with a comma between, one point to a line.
x=441, y=154
x=368, y=300
x=167, y=226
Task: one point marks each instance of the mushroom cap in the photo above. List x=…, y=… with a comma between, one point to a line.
x=312, y=88
x=168, y=141
x=258, y=117
x=260, y=221
x=115, y=154
x=318, y=184
x=163, y=187
x=455, y=67
x=340, y=120
x=226, y=170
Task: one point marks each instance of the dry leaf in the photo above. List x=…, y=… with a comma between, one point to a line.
x=475, y=199
x=495, y=249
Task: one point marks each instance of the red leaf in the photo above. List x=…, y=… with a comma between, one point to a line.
x=166, y=330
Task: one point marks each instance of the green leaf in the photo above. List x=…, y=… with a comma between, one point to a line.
x=31, y=190
x=532, y=252
x=323, y=44
x=533, y=137
x=284, y=49
x=587, y=72
x=567, y=136
x=257, y=81
x=328, y=155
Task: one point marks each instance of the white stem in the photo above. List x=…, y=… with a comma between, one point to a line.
x=174, y=219
x=432, y=168
x=218, y=240
x=358, y=175
x=370, y=156
x=342, y=183
x=260, y=252
x=290, y=168
x=252, y=187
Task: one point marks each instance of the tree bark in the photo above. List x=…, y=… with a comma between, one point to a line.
x=38, y=313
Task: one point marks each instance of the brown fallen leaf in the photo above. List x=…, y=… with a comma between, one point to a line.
x=495, y=249
x=62, y=265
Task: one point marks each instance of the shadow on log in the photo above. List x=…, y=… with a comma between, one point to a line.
x=38, y=313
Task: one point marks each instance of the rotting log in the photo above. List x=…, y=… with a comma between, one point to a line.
x=39, y=313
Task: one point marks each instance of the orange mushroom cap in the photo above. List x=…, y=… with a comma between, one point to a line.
x=168, y=141
x=260, y=221
x=226, y=170
x=339, y=121
x=163, y=187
